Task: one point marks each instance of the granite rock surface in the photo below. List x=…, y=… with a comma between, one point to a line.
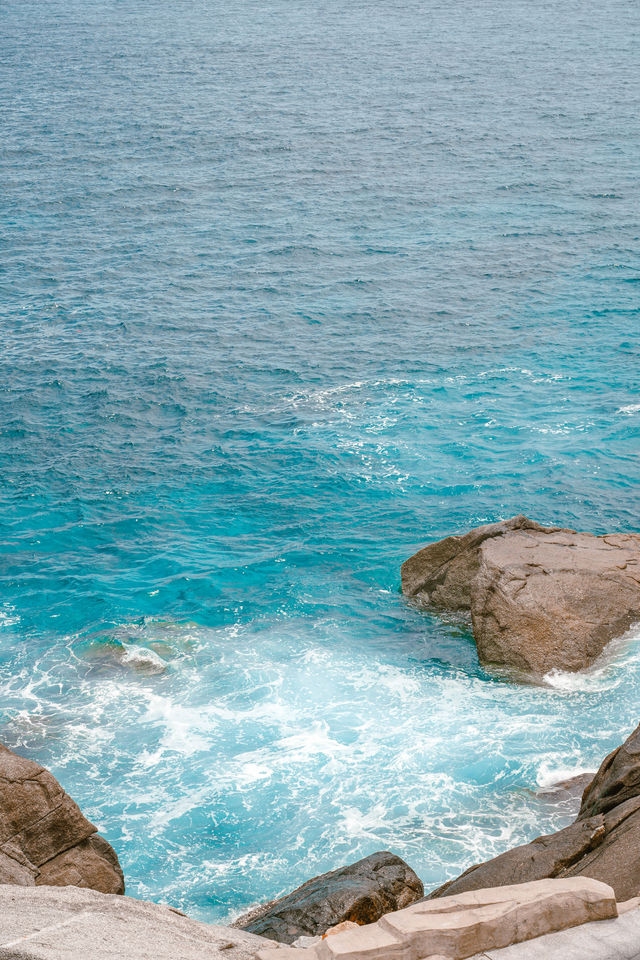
x=540, y=598
x=49, y=923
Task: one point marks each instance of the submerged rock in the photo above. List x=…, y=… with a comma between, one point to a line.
x=603, y=843
x=44, y=838
x=541, y=598
x=361, y=892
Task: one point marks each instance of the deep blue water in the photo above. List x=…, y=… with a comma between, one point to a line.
x=288, y=289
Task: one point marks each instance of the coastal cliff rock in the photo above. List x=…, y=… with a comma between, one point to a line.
x=361, y=892
x=541, y=598
x=603, y=843
x=44, y=837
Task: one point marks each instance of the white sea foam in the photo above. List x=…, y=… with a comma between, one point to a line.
x=550, y=775
x=629, y=409
x=608, y=669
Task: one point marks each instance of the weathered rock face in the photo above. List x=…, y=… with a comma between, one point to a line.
x=49, y=923
x=361, y=892
x=469, y=924
x=44, y=838
x=603, y=843
x=540, y=597
x=617, y=780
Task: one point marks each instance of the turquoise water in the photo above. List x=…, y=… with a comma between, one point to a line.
x=288, y=289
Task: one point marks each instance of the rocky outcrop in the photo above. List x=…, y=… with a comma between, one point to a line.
x=361, y=892
x=44, y=838
x=541, y=598
x=603, y=843
x=469, y=924
x=48, y=923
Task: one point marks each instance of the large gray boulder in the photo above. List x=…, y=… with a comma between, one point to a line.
x=603, y=843
x=44, y=837
x=361, y=892
x=540, y=597
x=49, y=923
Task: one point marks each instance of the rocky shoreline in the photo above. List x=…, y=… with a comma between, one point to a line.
x=540, y=598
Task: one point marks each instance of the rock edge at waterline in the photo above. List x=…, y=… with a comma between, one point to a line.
x=44, y=837
x=603, y=843
x=540, y=598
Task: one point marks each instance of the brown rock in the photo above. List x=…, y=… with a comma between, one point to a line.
x=44, y=838
x=603, y=843
x=340, y=928
x=540, y=597
x=361, y=892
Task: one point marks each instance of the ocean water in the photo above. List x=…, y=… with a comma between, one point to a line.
x=287, y=290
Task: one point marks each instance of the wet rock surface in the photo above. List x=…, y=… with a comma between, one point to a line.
x=540, y=598
x=361, y=892
x=44, y=837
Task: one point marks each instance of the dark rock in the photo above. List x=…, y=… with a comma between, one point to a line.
x=540, y=598
x=361, y=892
x=603, y=843
x=44, y=838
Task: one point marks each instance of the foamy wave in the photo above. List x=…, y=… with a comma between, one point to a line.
x=606, y=672
x=550, y=775
x=629, y=409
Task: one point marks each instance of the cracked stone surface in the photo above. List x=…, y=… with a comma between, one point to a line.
x=617, y=939
x=467, y=924
x=540, y=598
x=44, y=837
x=53, y=923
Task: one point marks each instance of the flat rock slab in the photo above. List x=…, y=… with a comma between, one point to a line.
x=617, y=939
x=67, y=923
x=540, y=598
x=461, y=926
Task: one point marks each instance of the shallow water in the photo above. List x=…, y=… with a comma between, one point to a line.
x=288, y=290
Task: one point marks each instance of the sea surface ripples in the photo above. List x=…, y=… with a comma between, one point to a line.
x=287, y=290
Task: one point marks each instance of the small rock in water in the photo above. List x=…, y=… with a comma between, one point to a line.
x=567, y=792
x=541, y=598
